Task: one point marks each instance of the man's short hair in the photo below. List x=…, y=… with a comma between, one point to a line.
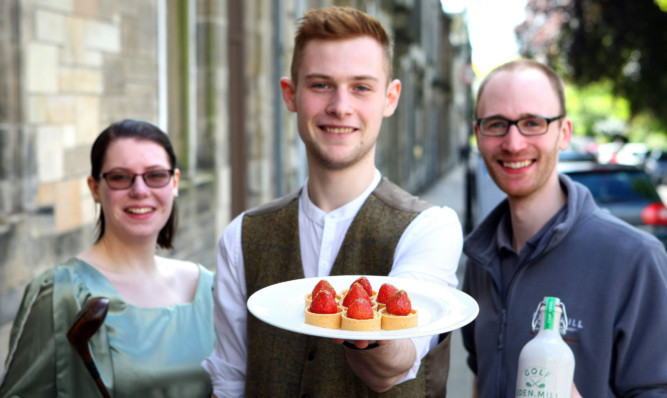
x=338, y=23
x=522, y=64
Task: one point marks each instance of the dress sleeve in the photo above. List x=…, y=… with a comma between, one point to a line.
x=30, y=366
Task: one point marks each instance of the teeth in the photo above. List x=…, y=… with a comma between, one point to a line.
x=517, y=165
x=139, y=210
x=339, y=130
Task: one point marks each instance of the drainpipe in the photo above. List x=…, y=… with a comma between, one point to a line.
x=277, y=99
x=237, y=98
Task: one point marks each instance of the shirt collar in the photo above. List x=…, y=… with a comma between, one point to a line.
x=504, y=233
x=347, y=211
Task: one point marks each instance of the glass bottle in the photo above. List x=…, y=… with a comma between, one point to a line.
x=546, y=363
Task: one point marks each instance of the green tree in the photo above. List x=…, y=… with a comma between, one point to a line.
x=597, y=41
x=595, y=111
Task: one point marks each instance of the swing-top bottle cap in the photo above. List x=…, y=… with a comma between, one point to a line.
x=550, y=306
x=555, y=300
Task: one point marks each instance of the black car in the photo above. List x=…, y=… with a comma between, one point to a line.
x=627, y=192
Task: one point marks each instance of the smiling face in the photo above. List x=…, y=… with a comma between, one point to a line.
x=139, y=212
x=522, y=166
x=341, y=96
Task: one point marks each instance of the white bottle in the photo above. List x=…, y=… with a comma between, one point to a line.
x=546, y=363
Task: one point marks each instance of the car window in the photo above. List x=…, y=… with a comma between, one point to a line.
x=618, y=186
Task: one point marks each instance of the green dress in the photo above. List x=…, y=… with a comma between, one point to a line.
x=139, y=352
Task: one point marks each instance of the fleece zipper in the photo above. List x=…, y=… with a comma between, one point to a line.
x=504, y=315
x=500, y=346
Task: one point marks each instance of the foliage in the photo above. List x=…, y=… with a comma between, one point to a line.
x=596, y=112
x=649, y=130
x=603, y=41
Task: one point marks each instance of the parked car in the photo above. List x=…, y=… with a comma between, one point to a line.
x=625, y=191
x=571, y=155
x=656, y=166
x=580, y=149
x=632, y=153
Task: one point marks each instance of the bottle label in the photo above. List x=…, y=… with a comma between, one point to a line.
x=535, y=381
x=549, y=310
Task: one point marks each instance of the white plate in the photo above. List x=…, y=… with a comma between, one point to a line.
x=441, y=308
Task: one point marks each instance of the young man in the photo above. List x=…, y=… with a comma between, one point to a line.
x=346, y=219
x=550, y=239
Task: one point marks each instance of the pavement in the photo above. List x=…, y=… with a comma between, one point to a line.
x=449, y=191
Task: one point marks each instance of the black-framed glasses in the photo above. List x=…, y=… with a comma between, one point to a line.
x=498, y=126
x=125, y=179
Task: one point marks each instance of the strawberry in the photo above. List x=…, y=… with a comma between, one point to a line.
x=360, y=309
x=399, y=303
x=324, y=303
x=385, y=292
x=366, y=284
x=323, y=284
x=356, y=292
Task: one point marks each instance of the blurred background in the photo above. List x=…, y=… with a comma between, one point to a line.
x=206, y=72
x=613, y=67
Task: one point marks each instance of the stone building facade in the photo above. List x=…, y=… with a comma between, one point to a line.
x=207, y=72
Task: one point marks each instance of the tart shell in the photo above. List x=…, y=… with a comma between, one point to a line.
x=397, y=322
x=361, y=325
x=329, y=321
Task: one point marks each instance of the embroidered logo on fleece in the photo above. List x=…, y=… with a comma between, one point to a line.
x=574, y=327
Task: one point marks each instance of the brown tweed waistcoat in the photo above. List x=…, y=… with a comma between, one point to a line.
x=286, y=364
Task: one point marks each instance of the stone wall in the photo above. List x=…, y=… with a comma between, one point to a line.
x=71, y=68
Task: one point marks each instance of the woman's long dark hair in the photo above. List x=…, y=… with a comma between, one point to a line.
x=140, y=130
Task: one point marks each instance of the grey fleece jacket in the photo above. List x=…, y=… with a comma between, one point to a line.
x=611, y=277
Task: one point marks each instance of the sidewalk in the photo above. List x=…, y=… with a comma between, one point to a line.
x=449, y=191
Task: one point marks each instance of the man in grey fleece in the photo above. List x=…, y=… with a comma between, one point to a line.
x=550, y=239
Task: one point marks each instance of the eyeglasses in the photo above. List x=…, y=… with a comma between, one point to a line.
x=498, y=126
x=124, y=179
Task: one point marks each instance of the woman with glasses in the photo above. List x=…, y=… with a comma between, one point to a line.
x=158, y=325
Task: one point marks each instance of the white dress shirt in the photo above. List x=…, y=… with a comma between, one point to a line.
x=428, y=250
